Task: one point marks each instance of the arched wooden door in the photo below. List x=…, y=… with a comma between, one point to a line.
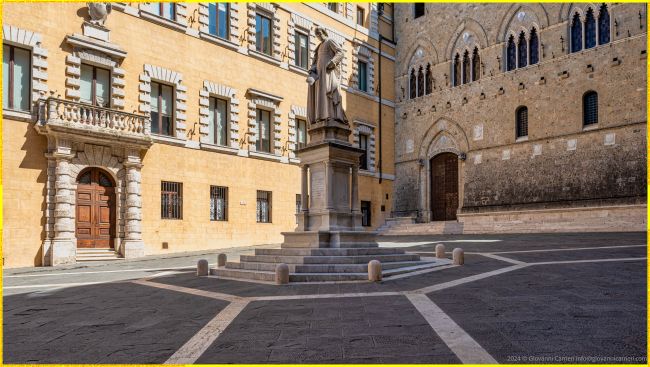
x=95, y=219
x=444, y=186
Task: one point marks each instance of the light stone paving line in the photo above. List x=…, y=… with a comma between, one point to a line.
x=461, y=343
x=501, y=258
x=57, y=285
x=99, y=272
x=418, y=272
x=332, y=295
x=201, y=341
x=565, y=249
x=453, y=283
x=589, y=261
x=193, y=291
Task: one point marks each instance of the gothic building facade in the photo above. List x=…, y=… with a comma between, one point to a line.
x=521, y=117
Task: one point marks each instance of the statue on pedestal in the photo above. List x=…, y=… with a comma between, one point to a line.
x=324, y=102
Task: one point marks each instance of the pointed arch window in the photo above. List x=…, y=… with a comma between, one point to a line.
x=521, y=115
x=590, y=29
x=533, y=48
x=511, y=54
x=476, y=65
x=457, y=70
x=413, y=85
x=466, y=69
x=576, y=33
x=603, y=25
x=429, y=80
x=420, y=82
x=522, y=56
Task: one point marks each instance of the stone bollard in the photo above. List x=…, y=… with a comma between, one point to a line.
x=221, y=260
x=202, y=268
x=282, y=274
x=459, y=256
x=374, y=271
x=440, y=251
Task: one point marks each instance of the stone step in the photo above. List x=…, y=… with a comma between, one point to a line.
x=347, y=245
x=95, y=250
x=330, y=251
x=267, y=276
x=362, y=259
x=321, y=268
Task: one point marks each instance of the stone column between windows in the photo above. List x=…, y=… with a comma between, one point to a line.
x=304, y=191
x=64, y=244
x=133, y=244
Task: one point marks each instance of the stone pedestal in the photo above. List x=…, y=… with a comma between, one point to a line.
x=330, y=214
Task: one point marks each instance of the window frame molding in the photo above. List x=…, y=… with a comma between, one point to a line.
x=296, y=113
x=270, y=102
x=268, y=10
x=179, y=22
x=212, y=89
x=592, y=125
x=96, y=59
x=38, y=88
x=165, y=76
x=232, y=41
x=517, y=136
x=362, y=127
x=364, y=54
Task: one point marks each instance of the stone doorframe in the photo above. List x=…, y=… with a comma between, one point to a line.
x=66, y=159
x=444, y=136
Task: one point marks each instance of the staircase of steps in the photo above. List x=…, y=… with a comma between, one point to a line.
x=97, y=254
x=323, y=264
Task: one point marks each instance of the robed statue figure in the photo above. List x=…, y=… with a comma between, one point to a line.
x=324, y=97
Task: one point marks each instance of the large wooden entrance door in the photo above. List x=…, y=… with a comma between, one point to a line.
x=444, y=186
x=95, y=219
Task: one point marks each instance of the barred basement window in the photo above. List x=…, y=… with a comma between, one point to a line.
x=263, y=206
x=590, y=108
x=218, y=203
x=522, y=122
x=171, y=200
x=366, y=213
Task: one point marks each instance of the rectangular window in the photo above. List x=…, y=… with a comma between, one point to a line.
x=95, y=85
x=162, y=107
x=361, y=15
x=263, y=143
x=302, y=50
x=301, y=133
x=363, y=144
x=165, y=10
x=218, y=18
x=333, y=7
x=418, y=9
x=363, y=76
x=263, y=206
x=263, y=34
x=218, y=133
x=171, y=200
x=218, y=203
x=366, y=212
x=16, y=75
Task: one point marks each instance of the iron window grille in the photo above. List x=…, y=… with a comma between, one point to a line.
x=218, y=203
x=522, y=122
x=171, y=200
x=590, y=108
x=263, y=206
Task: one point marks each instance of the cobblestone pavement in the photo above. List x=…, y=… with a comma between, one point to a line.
x=552, y=298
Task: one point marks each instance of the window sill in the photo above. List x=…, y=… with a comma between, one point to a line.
x=264, y=57
x=590, y=127
x=299, y=70
x=219, y=148
x=17, y=115
x=266, y=156
x=219, y=41
x=523, y=138
x=163, y=21
x=168, y=140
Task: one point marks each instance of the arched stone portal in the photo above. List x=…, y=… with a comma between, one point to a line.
x=444, y=136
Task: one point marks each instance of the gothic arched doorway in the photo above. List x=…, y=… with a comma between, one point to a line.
x=95, y=209
x=444, y=186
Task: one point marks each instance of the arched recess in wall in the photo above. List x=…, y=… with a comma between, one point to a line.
x=472, y=27
x=535, y=16
x=569, y=9
x=429, y=53
x=456, y=141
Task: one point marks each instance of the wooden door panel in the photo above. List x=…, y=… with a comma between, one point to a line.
x=95, y=221
x=444, y=186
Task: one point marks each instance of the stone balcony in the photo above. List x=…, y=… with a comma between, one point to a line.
x=85, y=122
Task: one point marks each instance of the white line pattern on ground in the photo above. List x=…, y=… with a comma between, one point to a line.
x=194, y=291
x=501, y=258
x=98, y=272
x=461, y=343
x=201, y=341
x=566, y=249
x=588, y=261
x=453, y=283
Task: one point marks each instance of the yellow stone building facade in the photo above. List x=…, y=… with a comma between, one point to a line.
x=150, y=128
